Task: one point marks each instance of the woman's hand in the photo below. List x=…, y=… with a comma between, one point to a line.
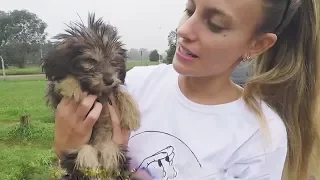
x=141, y=174
x=74, y=122
x=120, y=136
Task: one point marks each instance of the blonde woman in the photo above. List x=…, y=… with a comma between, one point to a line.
x=198, y=124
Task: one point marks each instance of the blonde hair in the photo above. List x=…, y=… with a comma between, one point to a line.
x=286, y=78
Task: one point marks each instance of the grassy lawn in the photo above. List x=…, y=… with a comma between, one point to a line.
x=37, y=70
x=26, y=152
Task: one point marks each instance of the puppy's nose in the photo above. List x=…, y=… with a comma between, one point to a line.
x=108, y=82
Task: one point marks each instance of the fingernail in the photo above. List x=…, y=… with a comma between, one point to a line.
x=110, y=102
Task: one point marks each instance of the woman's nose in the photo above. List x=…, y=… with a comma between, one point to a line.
x=187, y=28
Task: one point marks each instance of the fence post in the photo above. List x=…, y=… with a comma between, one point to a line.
x=3, y=69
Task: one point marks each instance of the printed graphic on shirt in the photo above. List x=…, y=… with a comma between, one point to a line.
x=162, y=159
x=167, y=156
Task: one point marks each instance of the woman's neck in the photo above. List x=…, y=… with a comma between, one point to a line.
x=209, y=90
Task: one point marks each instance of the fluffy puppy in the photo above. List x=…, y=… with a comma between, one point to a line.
x=92, y=59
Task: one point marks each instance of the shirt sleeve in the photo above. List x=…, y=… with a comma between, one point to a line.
x=138, y=78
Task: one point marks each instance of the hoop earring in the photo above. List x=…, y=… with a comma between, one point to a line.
x=246, y=59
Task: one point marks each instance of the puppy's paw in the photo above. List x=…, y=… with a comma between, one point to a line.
x=111, y=156
x=134, y=123
x=69, y=87
x=129, y=111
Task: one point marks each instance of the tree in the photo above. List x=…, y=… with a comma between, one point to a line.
x=172, y=43
x=135, y=54
x=20, y=31
x=154, y=56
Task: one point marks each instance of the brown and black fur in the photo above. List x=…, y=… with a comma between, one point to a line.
x=92, y=59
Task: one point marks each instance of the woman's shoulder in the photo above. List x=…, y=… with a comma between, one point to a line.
x=271, y=126
x=276, y=126
x=145, y=71
x=265, y=138
x=143, y=76
x=260, y=148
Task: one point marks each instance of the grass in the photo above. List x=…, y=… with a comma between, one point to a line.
x=26, y=152
x=37, y=70
x=23, y=71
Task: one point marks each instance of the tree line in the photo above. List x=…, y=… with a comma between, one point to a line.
x=21, y=33
x=23, y=41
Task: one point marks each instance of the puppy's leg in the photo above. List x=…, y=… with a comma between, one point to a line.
x=87, y=158
x=76, y=161
x=111, y=156
x=114, y=161
x=102, y=141
x=128, y=110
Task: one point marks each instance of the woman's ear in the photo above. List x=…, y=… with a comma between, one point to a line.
x=261, y=44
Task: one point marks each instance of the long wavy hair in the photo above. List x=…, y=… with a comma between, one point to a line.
x=285, y=77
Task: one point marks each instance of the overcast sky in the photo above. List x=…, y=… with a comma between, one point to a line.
x=158, y=17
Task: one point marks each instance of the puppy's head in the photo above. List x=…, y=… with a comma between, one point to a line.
x=91, y=54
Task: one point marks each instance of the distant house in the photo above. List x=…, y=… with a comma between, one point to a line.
x=241, y=74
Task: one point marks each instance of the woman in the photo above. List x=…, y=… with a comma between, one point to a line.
x=198, y=124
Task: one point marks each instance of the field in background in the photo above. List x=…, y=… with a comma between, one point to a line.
x=26, y=152
x=37, y=70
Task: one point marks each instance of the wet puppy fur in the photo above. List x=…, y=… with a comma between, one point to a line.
x=92, y=59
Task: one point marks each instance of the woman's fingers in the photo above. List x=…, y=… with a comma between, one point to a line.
x=64, y=102
x=67, y=104
x=84, y=106
x=141, y=174
x=119, y=136
x=126, y=136
x=92, y=117
x=117, y=133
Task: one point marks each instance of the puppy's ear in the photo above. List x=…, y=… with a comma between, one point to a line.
x=57, y=64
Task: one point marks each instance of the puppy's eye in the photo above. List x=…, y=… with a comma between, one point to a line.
x=91, y=61
x=108, y=82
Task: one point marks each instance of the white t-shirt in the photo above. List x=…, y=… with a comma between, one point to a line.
x=181, y=140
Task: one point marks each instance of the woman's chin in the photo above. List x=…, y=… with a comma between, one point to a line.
x=181, y=68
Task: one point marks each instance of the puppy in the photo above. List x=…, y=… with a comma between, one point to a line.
x=92, y=59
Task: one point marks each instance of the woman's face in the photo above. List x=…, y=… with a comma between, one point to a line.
x=215, y=35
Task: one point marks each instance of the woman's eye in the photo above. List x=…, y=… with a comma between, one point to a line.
x=215, y=28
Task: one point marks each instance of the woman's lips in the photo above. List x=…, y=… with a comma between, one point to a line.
x=185, y=55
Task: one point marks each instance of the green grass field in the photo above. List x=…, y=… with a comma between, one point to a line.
x=37, y=70
x=25, y=152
